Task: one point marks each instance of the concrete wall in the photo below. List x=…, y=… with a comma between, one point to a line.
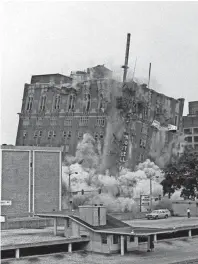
x=96, y=245
x=180, y=207
x=31, y=179
x=31, y=223
x=128, y=216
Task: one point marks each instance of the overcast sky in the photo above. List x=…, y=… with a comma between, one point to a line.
x=58, y=37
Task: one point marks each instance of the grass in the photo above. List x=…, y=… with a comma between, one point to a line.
x=168, y=242
x=34, y=259
x=58, y=256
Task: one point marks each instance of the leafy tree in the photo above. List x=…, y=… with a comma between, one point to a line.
x=182, y=174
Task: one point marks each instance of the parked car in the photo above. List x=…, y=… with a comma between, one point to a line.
x=159, y=214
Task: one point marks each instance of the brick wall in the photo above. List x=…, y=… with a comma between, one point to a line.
x=19, y=164
x=46, y=181
x=15, y=181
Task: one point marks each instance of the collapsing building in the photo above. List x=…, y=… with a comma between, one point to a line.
x=130, y=121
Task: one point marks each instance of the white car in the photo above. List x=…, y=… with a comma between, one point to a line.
x=159, y=214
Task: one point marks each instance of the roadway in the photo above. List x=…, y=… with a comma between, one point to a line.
x=164, y=223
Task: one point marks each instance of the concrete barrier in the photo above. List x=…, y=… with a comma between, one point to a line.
x=180, y=207
x=128, y=215
x=27, y=223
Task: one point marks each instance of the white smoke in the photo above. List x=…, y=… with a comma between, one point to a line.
x=177, y=195
x=118, y=193
x=87, y=152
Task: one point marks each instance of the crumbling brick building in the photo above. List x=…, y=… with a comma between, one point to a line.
x=57, y=110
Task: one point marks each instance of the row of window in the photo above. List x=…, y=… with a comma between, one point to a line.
x=191, y=131
x=65, y=134
x=191, y=147
x=56, y=103
x=71, y=102
x=83, y=121
x=189, y=139
x=115, y=239
x=98, y=135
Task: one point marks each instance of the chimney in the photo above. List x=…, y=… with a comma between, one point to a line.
x=94, y=215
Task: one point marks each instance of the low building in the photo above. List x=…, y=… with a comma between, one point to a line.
x=30, y=180
x=106, y=234
x=190, y=127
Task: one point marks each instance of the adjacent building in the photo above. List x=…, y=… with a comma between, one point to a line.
x=30, y=180
x=190, y=127
x=57, y=110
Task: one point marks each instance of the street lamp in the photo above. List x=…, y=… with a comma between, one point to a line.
x=70, y=173
x=151, y=191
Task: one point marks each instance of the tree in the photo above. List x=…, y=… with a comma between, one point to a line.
x=182, y=174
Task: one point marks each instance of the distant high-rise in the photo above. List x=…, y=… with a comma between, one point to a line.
x=190, y=126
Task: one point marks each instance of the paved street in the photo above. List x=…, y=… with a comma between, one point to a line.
x=165, y=252
x=164, y=223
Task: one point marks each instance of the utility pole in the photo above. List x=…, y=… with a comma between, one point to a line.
x=151, y=193
x=70, y=201
x=125, y=66
x=149, y=74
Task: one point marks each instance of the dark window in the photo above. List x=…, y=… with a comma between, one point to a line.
x=104, y=238
x=196, y=146
x=88, y=102
x=96, y=136
x=29, y=103
x=196, y=139
x=73, y=102
x=176, y=120
x=24, y=134
x=70, y=102
x=35, y=134
x=188, y=139
x=80, y=134
x=187, y=131
x=49, y=134
x=57, y=102
x=195, y=130
x=69, y=134
x=64, y=134
x=83, y=121
x=43, y=101
x=131, y=239
x=115, y=239
x=40, y=133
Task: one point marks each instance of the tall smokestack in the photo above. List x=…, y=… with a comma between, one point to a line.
x=149, y=74
x=125, y=66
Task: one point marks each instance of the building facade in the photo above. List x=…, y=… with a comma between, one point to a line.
x=57, y=110
x=30, y=179
x=190, y=127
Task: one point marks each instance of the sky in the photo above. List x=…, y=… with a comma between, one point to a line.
x=44, y=37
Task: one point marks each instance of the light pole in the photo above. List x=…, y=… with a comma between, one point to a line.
x=70, y=202
x=151, y=193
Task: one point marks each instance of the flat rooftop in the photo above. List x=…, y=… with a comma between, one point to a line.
x=23, y=238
